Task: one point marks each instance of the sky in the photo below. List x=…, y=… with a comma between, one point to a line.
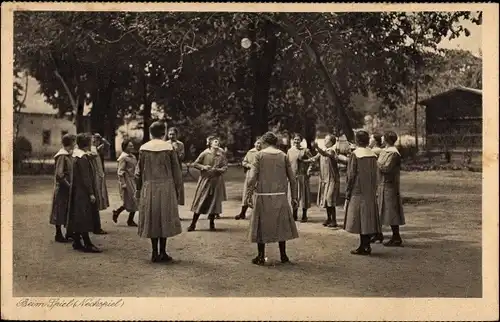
x=35, y=102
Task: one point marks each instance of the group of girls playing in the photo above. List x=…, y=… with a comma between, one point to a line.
x=276, y=187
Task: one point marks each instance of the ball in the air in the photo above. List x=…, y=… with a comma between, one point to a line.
x=246, y=43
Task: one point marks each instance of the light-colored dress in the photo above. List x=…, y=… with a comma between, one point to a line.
x=158, y=177
x=181, y=153
x=62, y=185
x=300, y=169
x=329, y=179
x=100, y=179
x=272, y=219
x=389, y=199
x=210, y=190
x=361, y=216
x=126, y=183
x=247, y=163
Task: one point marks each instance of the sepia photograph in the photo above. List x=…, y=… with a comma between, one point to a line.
x=246, y=153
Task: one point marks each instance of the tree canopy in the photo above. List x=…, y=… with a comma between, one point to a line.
x=300, y=68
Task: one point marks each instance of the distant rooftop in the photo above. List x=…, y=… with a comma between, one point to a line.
x=450, y=91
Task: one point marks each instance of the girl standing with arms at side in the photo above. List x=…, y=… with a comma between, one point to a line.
x=172, y=138
x=60, y=200
x=158, y=179
x=126, y=168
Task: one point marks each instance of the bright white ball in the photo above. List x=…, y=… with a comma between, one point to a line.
x=246, y=43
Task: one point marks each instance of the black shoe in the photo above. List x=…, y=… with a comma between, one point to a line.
x=77, y=246
x=100, y=232
x=115, y=216
x=61, y=239
x=327, y=223
x=164, y=257
x=212, y=226
x=191, y=227
x=131, y=223
x=259, y=260
x=394, y=243
x=155, y=258
x=91, y=249
x=240, y=216
x=304, y=219
x=377, y=238
x=285, y=259
x=362, y=251
x=333, y=225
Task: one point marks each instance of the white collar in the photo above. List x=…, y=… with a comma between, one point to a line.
x=271, y=150
x=364, y=153
x=156, y=145
x=61, y=152
x=392, y=149
x=78, y=153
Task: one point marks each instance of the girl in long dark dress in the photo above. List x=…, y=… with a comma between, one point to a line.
x=60, y=201
x=82, y=197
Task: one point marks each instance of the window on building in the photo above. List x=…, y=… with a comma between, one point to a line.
x=46, y=137
x=63, y=133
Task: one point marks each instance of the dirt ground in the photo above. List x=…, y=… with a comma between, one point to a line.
x=441, y=257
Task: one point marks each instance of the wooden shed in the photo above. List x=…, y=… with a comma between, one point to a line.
x=454, y=120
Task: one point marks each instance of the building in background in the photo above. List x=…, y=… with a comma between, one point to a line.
x=43, y=131
x=454, y=121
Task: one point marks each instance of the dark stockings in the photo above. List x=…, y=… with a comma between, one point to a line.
x=193, y=222
x=284, y=257
x=130, y=220
x=242, y=214
x=212, y=217
x=395, y=233
x=261, y=255
x=364, y=246
x=295, y=214
x=331, y=220
x=59, y=235
x=304, y=215
x=86, y=240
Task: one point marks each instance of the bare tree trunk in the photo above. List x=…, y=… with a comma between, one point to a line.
x=146, y=113
x=332, y=94
x=415, y=111
x=263, y=73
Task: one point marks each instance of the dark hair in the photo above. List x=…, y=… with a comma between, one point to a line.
x=157, y=129
x=269, y=138
x=390, y=137
x=174, y=129
x=378, y=138
x=362, y=138
x=334, y=139
x=68, y=139
x=259, y=138
x=297, y=135
x=84, y=140
x=125, y=144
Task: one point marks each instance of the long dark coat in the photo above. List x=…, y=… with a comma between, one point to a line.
x=389, y=199
x=60, y=200
x=81, y=209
